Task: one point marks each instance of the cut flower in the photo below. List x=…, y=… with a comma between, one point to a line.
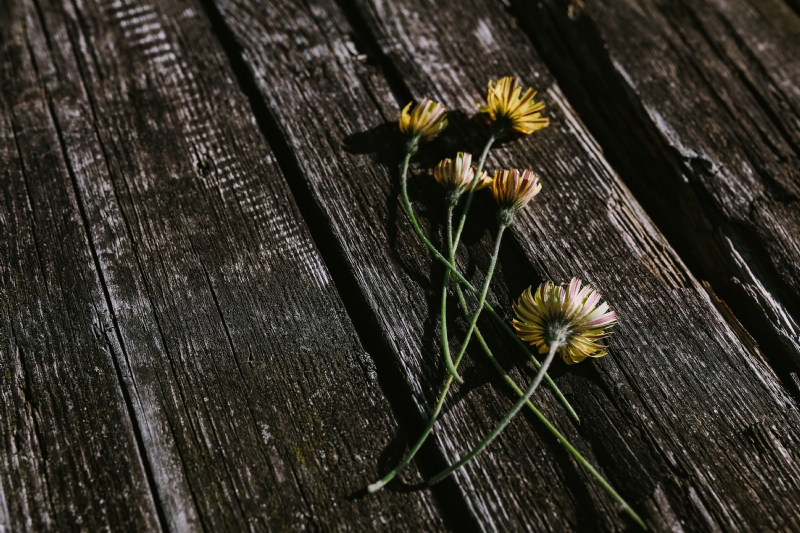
x=568, y=310
x=426, y=120
x=509, y=109
x=514, y=189
x=458, y=173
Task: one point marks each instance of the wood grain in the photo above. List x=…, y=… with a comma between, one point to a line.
x=678, y=416
x=660, y=379
x=697, y=104
x=337, y=114
x=164, y=226
x=588, y=224
x=69, y=458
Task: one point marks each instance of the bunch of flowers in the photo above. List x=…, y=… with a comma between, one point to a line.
x=566, y=319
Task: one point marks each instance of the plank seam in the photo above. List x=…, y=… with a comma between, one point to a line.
x=681, y=164
x=455, y=512
x=143, y=457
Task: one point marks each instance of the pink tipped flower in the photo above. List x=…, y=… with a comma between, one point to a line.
x=458, y=173
x=514, y=189
x=569, y=310
x=426, y=120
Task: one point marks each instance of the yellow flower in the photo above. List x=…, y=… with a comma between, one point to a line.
x=426, y=120
x=513, y=190
x=509, y=109
x=459, y=173
x=564, y=309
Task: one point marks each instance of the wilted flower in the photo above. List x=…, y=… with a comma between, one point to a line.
x=458, y=173
x=426, y=120
x=564, y=310
x=509, y=109
x=513, y=190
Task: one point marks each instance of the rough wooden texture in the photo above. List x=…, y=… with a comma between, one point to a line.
x=68, y=451
x=685, y=418
x=698, y=104
x=174, y=355
x=338, y=117
x=159, y=287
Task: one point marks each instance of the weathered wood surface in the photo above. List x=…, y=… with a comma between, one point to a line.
x=68, y=452
x=685, y=417
x=176, y=356
x=174, y=353
x=698, y=105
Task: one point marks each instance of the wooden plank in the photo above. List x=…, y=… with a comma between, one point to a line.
x=338, y=117
x=258, y=408
x=697, y=104
x=68, y=451
x=588, y=223
x=680, y=438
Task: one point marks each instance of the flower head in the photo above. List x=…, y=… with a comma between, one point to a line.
x=426, y=120
x=567, y=310
x=514, y=189
x=458, y=173
x=509, y=109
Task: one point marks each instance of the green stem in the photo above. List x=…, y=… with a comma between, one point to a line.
x=557, y=434
x=410, y=150
x=484, y=291
x=410, y=455
x=463, y=304
x=407, y=459
x=506, y=419
x=428, y=428
x=407, y=203
x=445, y=343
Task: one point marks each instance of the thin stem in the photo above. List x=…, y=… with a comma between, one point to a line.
x=415, y=224
x=471, y=193
x=410, y=150
x=410, y=455
x=506, y=419
x=462, y=301
x=445, y=343
x=557, y=434
x=434, y=416
x=484, y=291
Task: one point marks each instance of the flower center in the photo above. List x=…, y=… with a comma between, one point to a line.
x=557, y=331
x=501, y=126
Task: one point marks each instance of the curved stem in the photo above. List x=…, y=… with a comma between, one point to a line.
x=445, y=344
x=452, y=246
x=415, y=224
x=504, y=422
x=484, y=291
x=463, y=303
x=410, y=455
x=410, y=150
x=451, y=254
x=557, y=434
